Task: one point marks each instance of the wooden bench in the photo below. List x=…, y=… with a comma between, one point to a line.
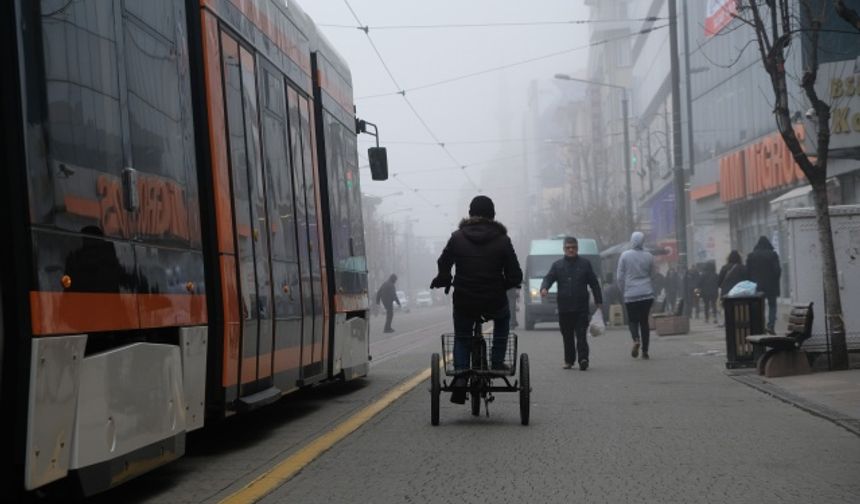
x=781, y=355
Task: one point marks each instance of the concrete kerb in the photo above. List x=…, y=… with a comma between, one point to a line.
x=752, y=379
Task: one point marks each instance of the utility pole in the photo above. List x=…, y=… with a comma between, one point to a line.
x=629, y=187
x=677, y=150
x=691, y=154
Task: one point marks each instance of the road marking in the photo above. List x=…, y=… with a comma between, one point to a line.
x=287, y=468
x=408, y=333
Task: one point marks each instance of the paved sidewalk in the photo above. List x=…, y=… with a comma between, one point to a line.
x=834, y=395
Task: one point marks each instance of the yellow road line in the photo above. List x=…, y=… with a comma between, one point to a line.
x=287, y=468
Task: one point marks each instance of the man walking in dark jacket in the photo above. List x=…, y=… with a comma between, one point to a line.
x=574, y=276
x=763, y=269
x=486, y=267
x=387, y=294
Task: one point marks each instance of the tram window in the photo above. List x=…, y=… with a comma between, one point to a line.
x=239, y=174
x=155, y=112
x=278, y=171
x=83, y=122
x=345, y=207
x=158, y=15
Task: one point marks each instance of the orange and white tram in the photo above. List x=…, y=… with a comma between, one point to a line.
x=181, y=201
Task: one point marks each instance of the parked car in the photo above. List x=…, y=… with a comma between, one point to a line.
x=423, y=298
x=404, y=301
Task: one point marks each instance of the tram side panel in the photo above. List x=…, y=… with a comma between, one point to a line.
x=118, y=296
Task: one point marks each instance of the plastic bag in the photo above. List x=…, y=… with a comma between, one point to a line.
x=596, y=326
x=743, y=288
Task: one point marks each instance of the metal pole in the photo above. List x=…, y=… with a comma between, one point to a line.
x=691, y=153
x=677, y=151
x=627, y=163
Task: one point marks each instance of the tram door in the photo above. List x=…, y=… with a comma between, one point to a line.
x=308, y=239
x=251, y=218
x=279, y=174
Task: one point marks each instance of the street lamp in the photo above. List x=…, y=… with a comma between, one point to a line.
x=625, y=117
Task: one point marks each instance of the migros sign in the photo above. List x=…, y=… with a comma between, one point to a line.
x=759, y=167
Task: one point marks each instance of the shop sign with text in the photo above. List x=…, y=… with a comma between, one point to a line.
x=759, y=167
x=839, y=84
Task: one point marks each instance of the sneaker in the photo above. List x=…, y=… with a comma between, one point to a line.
x=388, y=331
x=583, y=364
x=499, y=366
x=635, y=351
x=567, y=365
x=645, y=355
x=770, y=331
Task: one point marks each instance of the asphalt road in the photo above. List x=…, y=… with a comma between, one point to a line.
x=674, y=429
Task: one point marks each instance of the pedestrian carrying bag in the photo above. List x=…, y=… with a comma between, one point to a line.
x=596, y=326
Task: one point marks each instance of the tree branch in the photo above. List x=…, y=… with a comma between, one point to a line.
x=848, y=14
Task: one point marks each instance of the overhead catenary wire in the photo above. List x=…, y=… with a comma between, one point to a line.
x=509, y=24
x=412, y=108
x=404, y=91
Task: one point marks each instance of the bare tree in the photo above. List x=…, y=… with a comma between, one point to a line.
x=602, y=221
x=848, y=14
x=774, y=36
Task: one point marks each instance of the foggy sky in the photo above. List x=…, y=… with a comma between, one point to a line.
x=486, y=107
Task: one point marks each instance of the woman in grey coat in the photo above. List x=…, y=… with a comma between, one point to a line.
x=635, y=268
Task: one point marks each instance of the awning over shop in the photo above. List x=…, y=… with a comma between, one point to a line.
x=798, y=192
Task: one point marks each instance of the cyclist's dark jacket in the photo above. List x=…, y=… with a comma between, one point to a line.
x=486, y=265
x=573, y=276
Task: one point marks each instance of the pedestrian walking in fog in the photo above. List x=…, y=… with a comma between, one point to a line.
x=731, y=273
x=387, y=294
x=634, y=271
x=763, y=268
x=708, y=290
x=690, y=295
x=672, y=282
x=574, y=276
x=611, y=295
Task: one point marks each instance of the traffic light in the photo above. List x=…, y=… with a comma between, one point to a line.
x=635, y=164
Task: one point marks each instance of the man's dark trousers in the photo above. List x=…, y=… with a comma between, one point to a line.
x=389, y=314
x=574, y=333
x=771, y=311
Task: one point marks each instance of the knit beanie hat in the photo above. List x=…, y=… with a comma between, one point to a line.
x=482, y=206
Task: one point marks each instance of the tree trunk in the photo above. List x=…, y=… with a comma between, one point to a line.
x=833, y=302
x=849, y=15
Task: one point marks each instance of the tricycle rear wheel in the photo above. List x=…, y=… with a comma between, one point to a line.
x=525, y=389
x=476, y=397
x=435, y=389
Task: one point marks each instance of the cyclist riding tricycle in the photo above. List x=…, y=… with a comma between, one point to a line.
x=477, y=379
x=486, y=267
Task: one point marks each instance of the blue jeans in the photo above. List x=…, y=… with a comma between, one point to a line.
x=464, y=327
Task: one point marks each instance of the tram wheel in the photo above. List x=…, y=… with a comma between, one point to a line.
x=525, y=389
x=435, y=389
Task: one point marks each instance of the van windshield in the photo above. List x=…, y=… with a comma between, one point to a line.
x=537, y=266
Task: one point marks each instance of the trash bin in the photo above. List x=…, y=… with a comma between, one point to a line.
x=744, y=316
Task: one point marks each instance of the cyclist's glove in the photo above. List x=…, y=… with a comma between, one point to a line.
x=440, y=282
